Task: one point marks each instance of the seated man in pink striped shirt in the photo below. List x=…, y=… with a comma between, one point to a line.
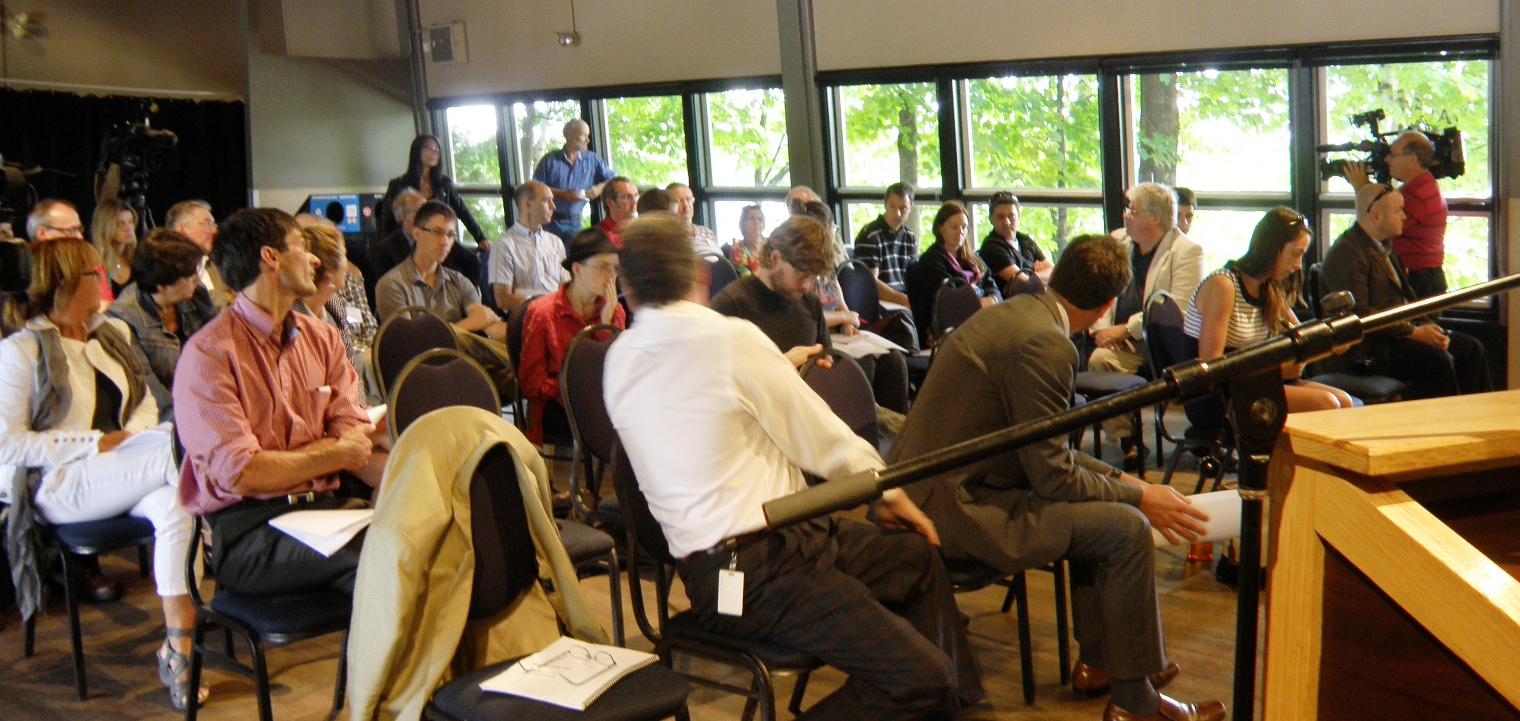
x=267, y=407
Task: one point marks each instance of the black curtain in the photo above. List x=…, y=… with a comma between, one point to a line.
x=63, y=132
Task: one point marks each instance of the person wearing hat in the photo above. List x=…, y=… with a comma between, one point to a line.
x=590, y=297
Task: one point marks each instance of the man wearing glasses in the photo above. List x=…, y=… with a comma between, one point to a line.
x=1161, y=258
x=1433, y=362
x=1421, y=243
x=620, y=198
x=193, y=219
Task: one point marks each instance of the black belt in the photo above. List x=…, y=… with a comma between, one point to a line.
x=294, y=499
x=733, y=543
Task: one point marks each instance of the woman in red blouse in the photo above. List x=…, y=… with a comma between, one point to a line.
x=552, y=322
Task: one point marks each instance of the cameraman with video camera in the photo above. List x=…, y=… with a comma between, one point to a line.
x=1422, y=244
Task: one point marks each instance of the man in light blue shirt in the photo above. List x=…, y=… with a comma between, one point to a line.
x=575, y=175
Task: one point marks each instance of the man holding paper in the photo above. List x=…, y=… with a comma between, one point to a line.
x=1013, y=363
x=267, y=408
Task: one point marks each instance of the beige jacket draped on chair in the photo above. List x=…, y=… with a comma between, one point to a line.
x=410, y=633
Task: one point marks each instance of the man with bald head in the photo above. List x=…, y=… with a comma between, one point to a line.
x=798, y=197
x=574, y=174
x=1432, y=361
x=526, y=261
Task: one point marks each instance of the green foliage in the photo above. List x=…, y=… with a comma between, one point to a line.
x=891, y=134
x=1436, y=95
x=472, y=140
x=540, y=129
x=1035, y=132
x=748, y=132
x=490, y=212
x=648, y=139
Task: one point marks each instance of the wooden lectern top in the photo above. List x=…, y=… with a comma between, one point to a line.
x=1400, y=441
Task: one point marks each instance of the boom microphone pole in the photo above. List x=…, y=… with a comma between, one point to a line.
x=1256, y=406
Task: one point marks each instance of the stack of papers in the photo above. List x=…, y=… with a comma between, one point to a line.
x=324, y=531
x=568, y=673
x=864, y=343
x=1223, y=508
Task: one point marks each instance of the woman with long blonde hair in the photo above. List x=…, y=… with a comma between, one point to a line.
x=113, y=232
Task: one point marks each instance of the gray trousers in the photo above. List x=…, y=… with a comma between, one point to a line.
x=1113, y=590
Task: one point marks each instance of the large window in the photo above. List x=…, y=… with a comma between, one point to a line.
x=1034, y=132
x=746, y=130
x=891, y=134
x=1219, y=131
x=648, y=139
x=539, y=128
x=476, y=164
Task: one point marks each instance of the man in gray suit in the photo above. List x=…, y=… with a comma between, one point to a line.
x=1014, y=362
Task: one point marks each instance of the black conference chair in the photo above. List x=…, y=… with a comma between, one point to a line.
x=404, y=336
x=1366, y=386
x=859, y=289
x=723, y=273
x=440, y=378
x=1023, y=282
x=275, y=620
x=1167, y=345
x=681, y=633
x=845, y=389
x=506, y=566
x=580, y=386
x=967, y=576
x=954, y=303
x=88, y=538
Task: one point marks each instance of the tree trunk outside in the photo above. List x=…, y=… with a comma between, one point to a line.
x=907, y=154
x=1158, y=128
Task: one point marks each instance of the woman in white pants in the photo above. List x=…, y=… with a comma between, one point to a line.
x=73, y=411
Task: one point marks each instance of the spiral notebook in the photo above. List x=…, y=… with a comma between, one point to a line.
x=568, y=673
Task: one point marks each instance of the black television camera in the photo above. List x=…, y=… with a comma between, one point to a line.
x=1449, y=159
x=129, y=153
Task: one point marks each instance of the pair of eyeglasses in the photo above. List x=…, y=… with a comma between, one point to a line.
x=576, y=665
x=606, y=267
x=1386, y=189
x=451, y=235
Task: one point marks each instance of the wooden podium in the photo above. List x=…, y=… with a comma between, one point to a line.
x=1395, y=539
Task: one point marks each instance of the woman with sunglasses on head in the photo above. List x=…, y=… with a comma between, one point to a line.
x=1251, y=299
x=424, y=173
x=550, y=323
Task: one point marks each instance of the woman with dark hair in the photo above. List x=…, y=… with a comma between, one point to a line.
x=163, y=305
x=73, y=393
x=950, y=257
x=424, y=173
x=113, y=232
x=1250, y=299
x=550, y=323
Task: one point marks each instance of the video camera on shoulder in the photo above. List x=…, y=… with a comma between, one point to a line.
x=1449, y=159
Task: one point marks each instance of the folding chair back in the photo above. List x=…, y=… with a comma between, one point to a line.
x=438, y=378
x=404, y=336
x=954, y=304
x=859, y=288
x=723, y=273
x=845, y=388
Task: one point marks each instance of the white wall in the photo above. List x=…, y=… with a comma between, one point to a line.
x=182, y=47
x=958, y=31
x=324, y=126
x=512, y=43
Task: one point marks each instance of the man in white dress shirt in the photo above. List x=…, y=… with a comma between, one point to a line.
x=716, y=422
x=525, y=263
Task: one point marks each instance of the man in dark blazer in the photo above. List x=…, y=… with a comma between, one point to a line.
x=1014, y=362
x=1431, y=361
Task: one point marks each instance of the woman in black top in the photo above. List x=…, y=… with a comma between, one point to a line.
x=424, y=173
x=949, y=257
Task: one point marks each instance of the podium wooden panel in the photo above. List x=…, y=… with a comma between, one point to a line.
x=1395, y=546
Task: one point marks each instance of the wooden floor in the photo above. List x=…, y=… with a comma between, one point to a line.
x=1198, y=616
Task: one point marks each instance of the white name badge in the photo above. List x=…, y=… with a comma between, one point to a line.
x=730, y=592
x=355, y=316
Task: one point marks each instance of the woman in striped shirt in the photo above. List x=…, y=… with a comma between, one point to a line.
x=1251, y=299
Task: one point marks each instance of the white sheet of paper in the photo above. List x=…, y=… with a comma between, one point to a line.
x=324, y=531
x=864, y=343
x=376, y=413
x=1223, y=508
x=568, y=673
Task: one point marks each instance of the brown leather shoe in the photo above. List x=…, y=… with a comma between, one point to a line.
x=1088, y=681
x=1171, y=710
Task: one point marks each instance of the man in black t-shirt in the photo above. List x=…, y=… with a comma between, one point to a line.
x=1005, y=250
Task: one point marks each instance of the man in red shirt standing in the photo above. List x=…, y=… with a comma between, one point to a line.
x=1422, y=244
